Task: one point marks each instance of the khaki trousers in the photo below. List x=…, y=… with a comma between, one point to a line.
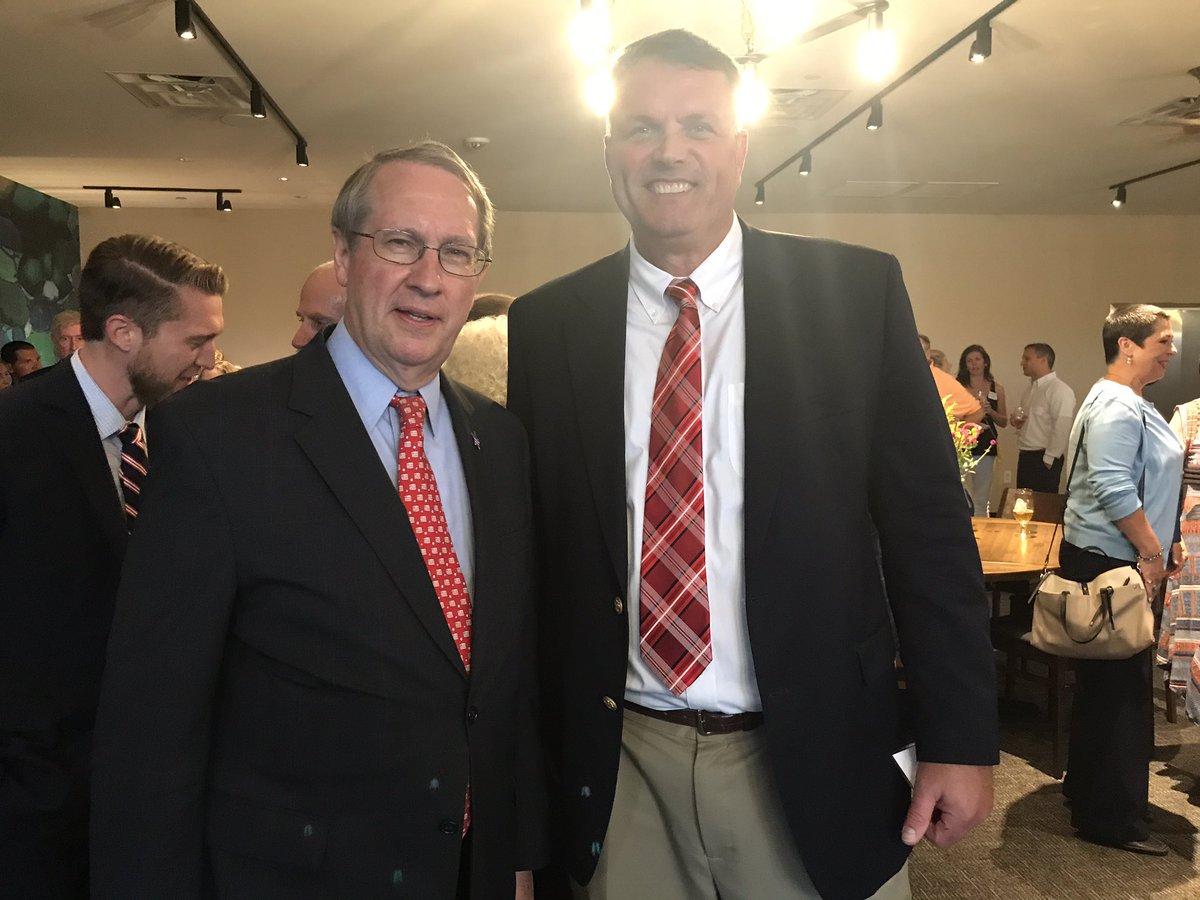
x=697, y=817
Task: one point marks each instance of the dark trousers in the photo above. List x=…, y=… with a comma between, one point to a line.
x=1033, y=474
x=1112, y=730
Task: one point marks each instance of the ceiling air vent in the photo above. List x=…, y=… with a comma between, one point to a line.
x=211, y=93
x=790, y=106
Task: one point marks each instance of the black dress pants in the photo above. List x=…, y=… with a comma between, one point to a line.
x=1033, y=474
x=1112, y=730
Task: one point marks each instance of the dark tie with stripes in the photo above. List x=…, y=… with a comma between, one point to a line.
x=133, y=469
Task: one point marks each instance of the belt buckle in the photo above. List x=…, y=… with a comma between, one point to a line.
x=702, y=723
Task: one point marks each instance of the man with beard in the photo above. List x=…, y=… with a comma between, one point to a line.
x=72, y=456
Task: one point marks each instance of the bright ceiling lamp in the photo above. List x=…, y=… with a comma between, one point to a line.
x=779, y=22
x=877, y=53
x=591, y=32
x=599, y=91
x=753, y=98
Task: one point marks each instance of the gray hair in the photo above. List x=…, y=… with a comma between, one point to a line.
x=353, y=203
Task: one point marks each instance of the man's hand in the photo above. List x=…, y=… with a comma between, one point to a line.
x=948, y=800
x=524, y=886
x=1178, y=558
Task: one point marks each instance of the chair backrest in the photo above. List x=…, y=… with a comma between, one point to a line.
x=1046, y=507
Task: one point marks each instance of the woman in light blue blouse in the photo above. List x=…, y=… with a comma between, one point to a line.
x=1122, y=510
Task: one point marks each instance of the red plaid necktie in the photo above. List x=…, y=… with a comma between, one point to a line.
x=133, y=468
x=419, y=491
x=675, y=636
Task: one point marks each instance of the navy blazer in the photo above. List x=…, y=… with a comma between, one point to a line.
x=856, y=529
x=284, y=711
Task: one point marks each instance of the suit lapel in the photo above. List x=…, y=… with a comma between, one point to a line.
x=595, y=333
x=772, y=354
x=78, y=441
x=335, y=441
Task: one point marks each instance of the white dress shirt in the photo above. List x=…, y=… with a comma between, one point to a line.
x=728, y=684
x=109, y=421
x=371, y=392
x=1050, y=409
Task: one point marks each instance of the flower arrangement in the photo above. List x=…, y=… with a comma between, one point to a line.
x=965, y=436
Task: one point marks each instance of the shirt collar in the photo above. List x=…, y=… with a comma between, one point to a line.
x=1045, y=379
x=109, y=420
x=716, y=277
x=370, y=390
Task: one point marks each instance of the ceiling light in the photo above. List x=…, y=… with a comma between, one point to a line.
x=183, y=20
x=760, y=196
x=806, y=163
x=599, y=91
x=981, y=47
x=283, y=178
x=1118, y=199
x=111, y=200
x=302, y=153
x=753, y=98
x=591, y=32
x=877, y=51
x=779, y=22
x=875, y=120
x=223, y=205
x=258, y=108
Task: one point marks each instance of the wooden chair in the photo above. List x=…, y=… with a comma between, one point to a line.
x=1011, y=636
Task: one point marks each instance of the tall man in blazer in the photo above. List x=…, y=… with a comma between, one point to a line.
x=344, y=710
x=744, y=487
x=150, y=312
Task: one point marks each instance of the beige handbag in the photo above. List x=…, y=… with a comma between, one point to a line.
x=1108, y=617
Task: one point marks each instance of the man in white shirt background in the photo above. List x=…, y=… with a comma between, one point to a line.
x=1049, y=408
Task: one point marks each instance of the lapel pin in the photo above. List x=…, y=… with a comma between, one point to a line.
x=475, y=438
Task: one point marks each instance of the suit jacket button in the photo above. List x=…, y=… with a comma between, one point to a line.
x=610, y=702
x=472, y=715
x=449, y=827
x=618, y=606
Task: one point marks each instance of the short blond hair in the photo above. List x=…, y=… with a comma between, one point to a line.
x=479, y=358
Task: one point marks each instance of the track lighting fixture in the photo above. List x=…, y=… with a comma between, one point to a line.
x=112, y=201
x=1118, y=199
x=981, y=47
x=258, y=108
x=188, y=10
x=760, y=195
x=875, y=120
x=806, y=163
x=183, y=20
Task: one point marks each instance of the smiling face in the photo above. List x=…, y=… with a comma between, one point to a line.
x=405, y=317
x=675, y=157
x=180, y=350
x=1148, y=363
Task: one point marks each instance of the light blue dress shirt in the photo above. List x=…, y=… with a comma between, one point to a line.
x=109, y=421
x=371, y=392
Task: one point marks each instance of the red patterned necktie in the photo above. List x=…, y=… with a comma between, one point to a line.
x=419, y=491
x=675, y=637
x=133, y=469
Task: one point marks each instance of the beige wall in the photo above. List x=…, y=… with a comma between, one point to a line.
x=1002, y=281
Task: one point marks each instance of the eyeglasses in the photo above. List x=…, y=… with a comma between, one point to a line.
x=405, y=248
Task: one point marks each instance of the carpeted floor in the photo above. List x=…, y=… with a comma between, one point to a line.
x=1028, y=849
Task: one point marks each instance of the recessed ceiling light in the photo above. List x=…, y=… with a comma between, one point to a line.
x=185, y=159
x=283, y=178
x=301, y=196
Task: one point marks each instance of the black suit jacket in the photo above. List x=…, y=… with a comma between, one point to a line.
x=284, y=712
x=62, y=536
x=854, y=517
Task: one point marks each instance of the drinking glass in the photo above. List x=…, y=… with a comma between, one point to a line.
x=1022, y=509
x=1018, y=417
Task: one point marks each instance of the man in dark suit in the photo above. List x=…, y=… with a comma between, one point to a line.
x=346, y=710
x=150, y=312
x=743, y=484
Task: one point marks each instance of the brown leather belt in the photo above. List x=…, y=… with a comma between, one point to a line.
x=702, y=720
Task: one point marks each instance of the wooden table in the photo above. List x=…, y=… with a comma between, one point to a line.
x=1004, y=552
